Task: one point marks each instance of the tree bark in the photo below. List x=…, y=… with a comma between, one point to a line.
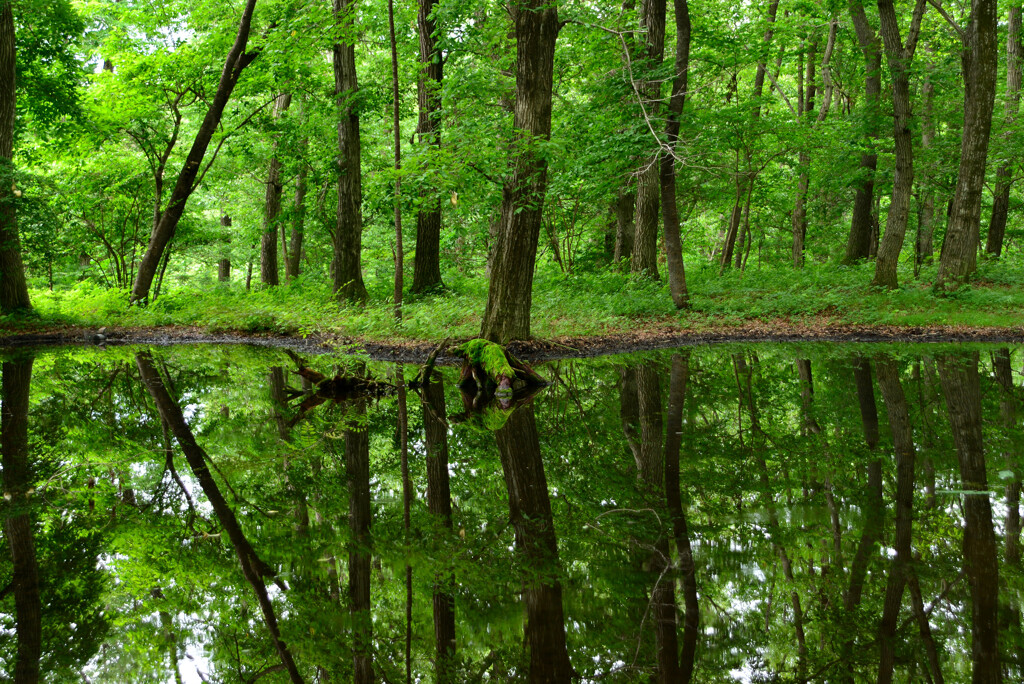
x=396, y=124
x=347, y=238
x=272, y=205
x=427, y=266
x=17, y=480
x=959, y=257
x=530, y=513
x=858, y=245
x=253, y=568
x=164, y=229
x=13, y=287
x=292, y=267
x=926, y=213
x=958, y=375
x=1001, y=196
x=510, y=296
x=649, y=182
x=224, y=265
x=624, y=205
x=899, y=57
x=669, y=209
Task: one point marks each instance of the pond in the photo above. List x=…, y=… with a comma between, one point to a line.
x=728, y=513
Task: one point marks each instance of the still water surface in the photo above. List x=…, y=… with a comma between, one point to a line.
x=752, y=513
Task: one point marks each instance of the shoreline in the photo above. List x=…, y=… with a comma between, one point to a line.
x=538, y=349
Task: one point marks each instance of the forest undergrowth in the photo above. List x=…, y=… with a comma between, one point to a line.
x=563, y=305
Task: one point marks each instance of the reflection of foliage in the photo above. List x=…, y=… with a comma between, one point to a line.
x=171, y=588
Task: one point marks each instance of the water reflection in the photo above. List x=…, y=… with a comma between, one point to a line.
x=731, y=514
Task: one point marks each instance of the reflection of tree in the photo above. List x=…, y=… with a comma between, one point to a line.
x=899, y=424
x=958, y=375
x=357, y=457
x=253, y=568
x=681, y=533
x=530, y=513
x=439, y=502
x=17, y=378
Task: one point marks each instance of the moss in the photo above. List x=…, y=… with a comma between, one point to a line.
x=490, y=356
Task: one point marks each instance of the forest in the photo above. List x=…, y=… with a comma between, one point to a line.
x=482, y=167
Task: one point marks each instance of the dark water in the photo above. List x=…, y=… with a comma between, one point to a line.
x=754, y=513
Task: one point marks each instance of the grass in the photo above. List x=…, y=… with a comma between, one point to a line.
x=575, y=305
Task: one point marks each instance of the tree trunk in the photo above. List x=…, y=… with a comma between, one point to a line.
x=530, y=514
x=926, y=213
x=17, y=480
x=439, y=503
x=899, y=57
x=858, y=245
x=224, y=265
x=292, y=267
x=253, y=568
x=510, y=296
x=959, y=258
x=649, y=182
x=1001, y=196
x=958, y=375
x=164, y=229
x=272, y=205
x=357, y=456
x=396, y=124
x=13, y=287
x=624, y=205
x=347, y=238
x=427, y=266
x=669, y=210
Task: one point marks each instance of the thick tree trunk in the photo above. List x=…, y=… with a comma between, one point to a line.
x=649, y=189
x=899, y=424
x=17, y=480
x=164, y=229
x=347, y=237
x=439, y=503
x=427, y=266
x=510, y=294
x=858, y=245
x=13, y=287
x=1001, y=196
x=530, y=514
x=669, y=210
x=272, y=205
x=958, y=375
x=253, y=568
x=959, y=258
x=899, y=57
x=357, y=456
